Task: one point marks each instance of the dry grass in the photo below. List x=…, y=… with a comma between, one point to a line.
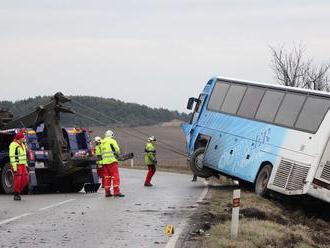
x=259, y=233
x=263, y=223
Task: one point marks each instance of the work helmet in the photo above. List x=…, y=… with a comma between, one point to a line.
x=109, y=134
x=19, y=135
x=151, y=138
x=97, y=139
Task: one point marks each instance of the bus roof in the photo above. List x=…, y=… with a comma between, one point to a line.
x=278, y=87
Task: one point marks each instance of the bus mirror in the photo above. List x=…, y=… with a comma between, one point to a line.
x=191, y=102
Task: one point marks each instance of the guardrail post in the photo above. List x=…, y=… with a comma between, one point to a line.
x=235, y=214
x=132, y=162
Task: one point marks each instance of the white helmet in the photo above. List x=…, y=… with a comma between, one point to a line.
x=109, y=134
x=151, y=138
x=97, y=139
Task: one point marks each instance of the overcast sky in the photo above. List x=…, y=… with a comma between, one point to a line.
x=153, y=52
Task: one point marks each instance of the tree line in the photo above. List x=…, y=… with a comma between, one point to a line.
x=108, y=111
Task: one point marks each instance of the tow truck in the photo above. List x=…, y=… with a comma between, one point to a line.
x=59, y=158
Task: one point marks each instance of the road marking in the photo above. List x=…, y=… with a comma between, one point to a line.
x=56, y=204
x=28, y=214
x=14, y=218
x=174, y=239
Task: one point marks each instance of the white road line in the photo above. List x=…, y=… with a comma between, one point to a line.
x=172, y=242
x=28, y=214
x=178, y=230
x=14, y=218
x=56, y=204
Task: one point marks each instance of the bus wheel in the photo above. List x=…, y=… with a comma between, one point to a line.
x=196, y=164
x=7, y=180
x=260, y=186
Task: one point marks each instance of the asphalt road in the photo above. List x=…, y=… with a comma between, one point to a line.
x=91, y=220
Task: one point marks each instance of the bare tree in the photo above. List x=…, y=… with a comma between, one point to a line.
x=318, y=78
x=293, y=69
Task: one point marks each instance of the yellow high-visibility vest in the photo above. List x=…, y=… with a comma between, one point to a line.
x=17, y=154
x=150, y=154
x=109, y=150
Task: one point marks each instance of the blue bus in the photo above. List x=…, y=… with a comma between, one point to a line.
x=273, y=136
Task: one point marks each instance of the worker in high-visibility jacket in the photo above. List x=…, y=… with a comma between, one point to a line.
x=99, y=163
x=110, y=151
x=150, y=160
x=18, y=162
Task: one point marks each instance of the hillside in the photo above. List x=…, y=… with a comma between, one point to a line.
x=106, y=109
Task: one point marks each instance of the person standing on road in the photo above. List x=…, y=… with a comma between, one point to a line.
x=109, y=152
x=18, y=162
x=99, y=163
x=150, y=160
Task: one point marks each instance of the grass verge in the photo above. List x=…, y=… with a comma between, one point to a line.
x=263, y=222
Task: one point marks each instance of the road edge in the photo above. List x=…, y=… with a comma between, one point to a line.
x=172, y=243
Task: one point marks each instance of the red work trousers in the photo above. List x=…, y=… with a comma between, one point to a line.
x=111, y=174
x=151, y=172
x=21, y=178
x=100, y=172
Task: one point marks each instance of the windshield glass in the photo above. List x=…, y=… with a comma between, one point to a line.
x=198, y=108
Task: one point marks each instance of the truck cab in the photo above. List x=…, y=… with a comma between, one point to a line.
x=79, y=142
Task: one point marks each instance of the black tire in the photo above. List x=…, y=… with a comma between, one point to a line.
x=260, y=186
x=7, y=179
x=196, y=164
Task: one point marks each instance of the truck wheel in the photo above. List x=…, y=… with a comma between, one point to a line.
x=7, y=180
x=261, y=183
x=196, y=164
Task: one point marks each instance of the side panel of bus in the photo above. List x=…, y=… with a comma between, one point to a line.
x=239, y=146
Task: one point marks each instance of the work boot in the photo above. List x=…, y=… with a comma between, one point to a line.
x=148, y=185
x=17, y=197
x=119, y=195
x=108, y=194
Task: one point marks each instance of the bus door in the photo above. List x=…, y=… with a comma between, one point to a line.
x=188, y=129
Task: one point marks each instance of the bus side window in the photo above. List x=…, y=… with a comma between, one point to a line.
x=269, y=105
x=250, y=102
x=290, y=109
x=218, y=96
x=233, y=99
x=313, y=113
